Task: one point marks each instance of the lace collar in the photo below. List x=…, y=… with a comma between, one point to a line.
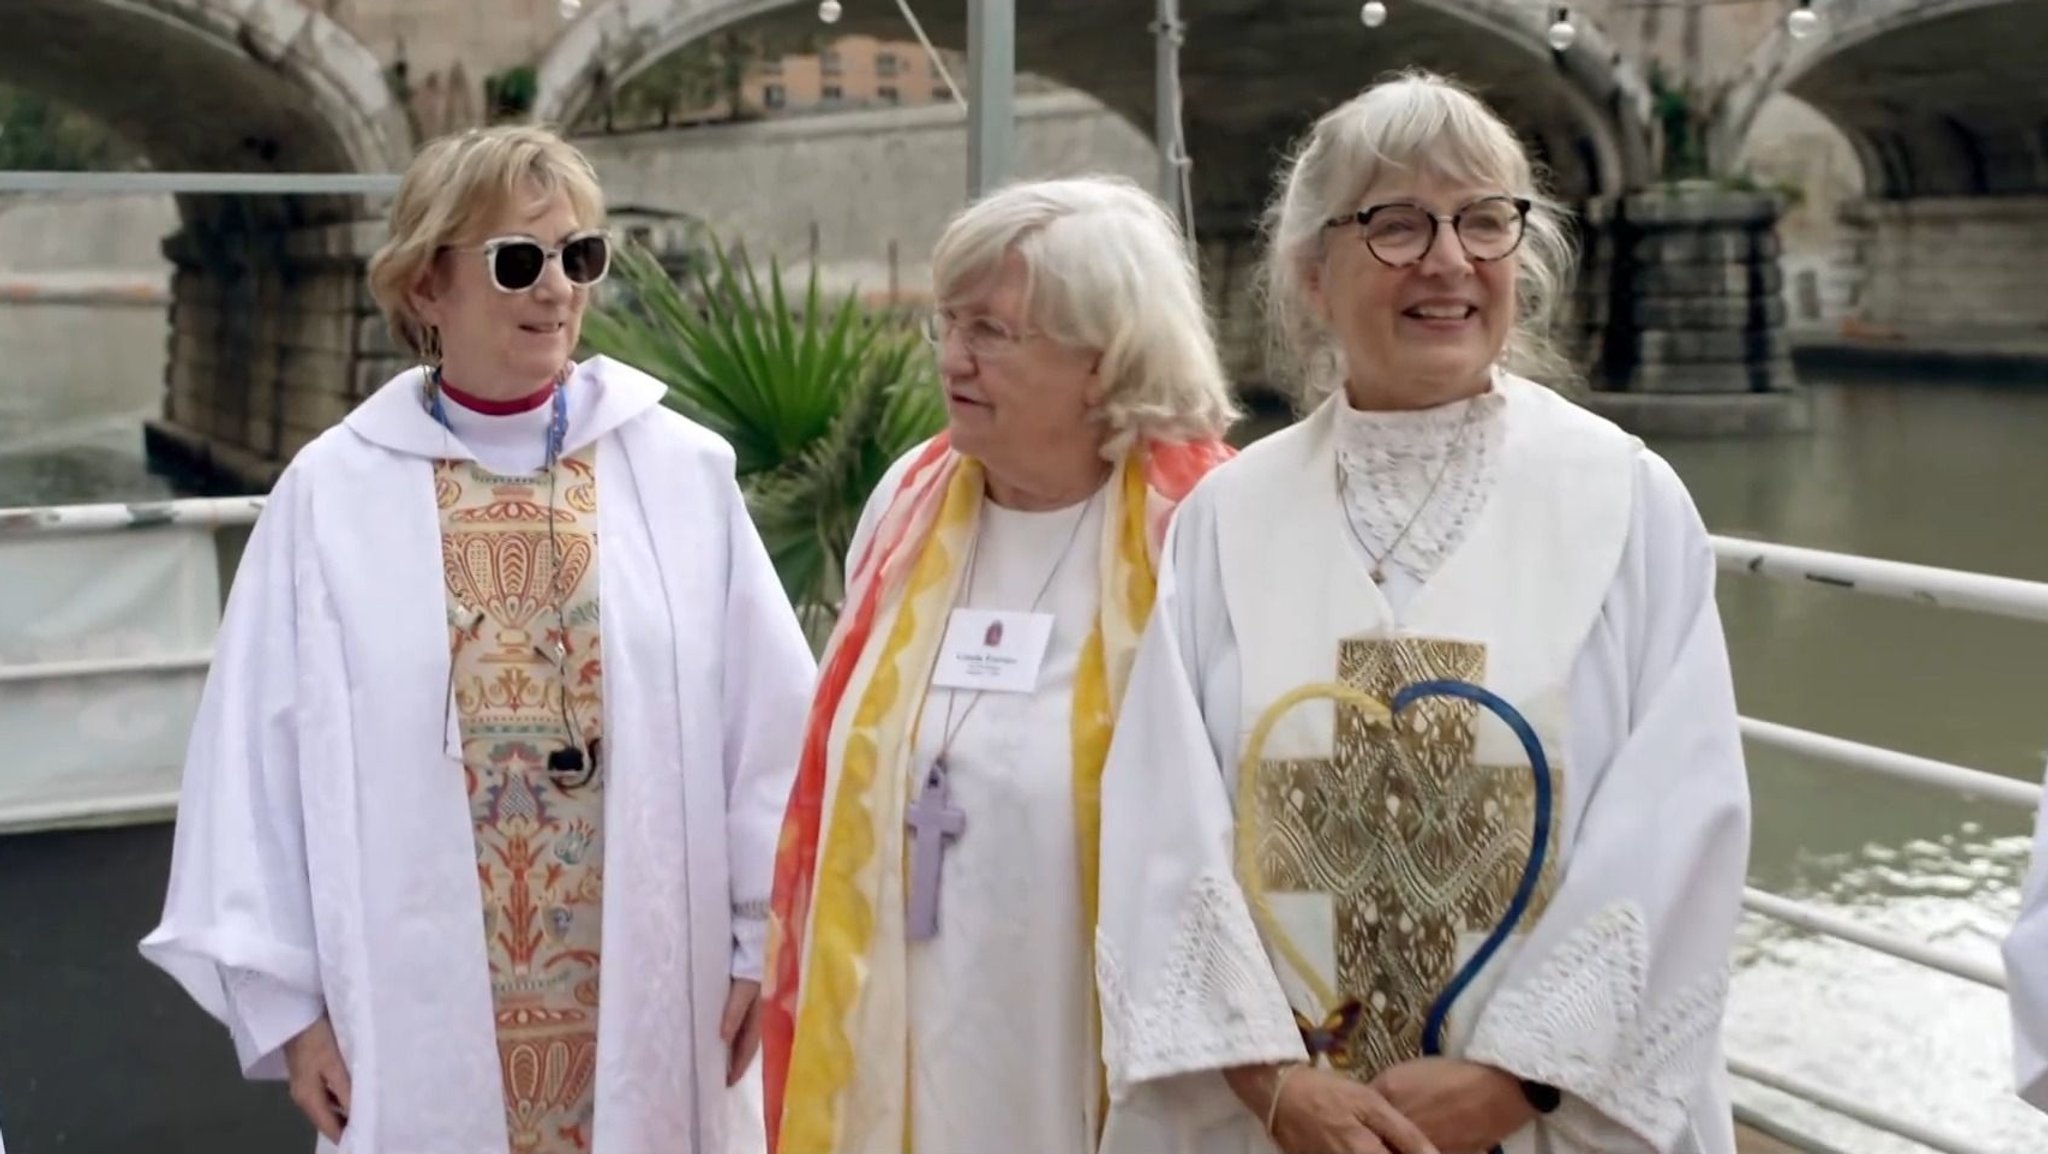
x=1435, y=467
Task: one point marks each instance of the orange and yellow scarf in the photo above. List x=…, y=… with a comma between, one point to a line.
x=835, y=1027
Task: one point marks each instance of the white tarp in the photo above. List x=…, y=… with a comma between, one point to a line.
x=102, y=746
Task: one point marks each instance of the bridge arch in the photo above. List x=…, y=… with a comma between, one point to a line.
x=268, y=325
x=1585, y=109
x=1938, y=98
x=210, y=85
x=1251, y=84
x=1941, y=102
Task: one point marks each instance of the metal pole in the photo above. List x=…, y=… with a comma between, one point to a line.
x=992, y=90
x=1166, y=113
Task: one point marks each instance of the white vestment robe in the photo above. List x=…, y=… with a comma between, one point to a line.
x=2026, y=974
x=1002, y=1041
x=324, y=857
x=1586, y=584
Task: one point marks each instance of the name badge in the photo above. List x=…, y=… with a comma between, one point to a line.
x=995, y=651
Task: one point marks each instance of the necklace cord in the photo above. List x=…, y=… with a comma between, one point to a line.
x=1380, y=560
x=950, y=729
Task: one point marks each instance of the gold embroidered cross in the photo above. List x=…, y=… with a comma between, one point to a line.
x=1417, y=846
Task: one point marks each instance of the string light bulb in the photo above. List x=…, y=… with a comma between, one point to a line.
x=1561, y=33
x=829, y=11
x=1802, y=21
x=1373, y=14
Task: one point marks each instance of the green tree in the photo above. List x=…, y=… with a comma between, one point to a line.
x=677, y=85
x=1683, y=128
x=509, y=95
x=38, y=134
x=706, y=74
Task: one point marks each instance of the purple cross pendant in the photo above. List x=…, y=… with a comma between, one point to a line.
x=933, y=821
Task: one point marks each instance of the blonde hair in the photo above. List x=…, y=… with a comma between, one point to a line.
x=1107, y=269
x=453, y=185
x=1416, y=121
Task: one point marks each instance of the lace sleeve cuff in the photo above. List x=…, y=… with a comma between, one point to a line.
x=1214, y=1003
x=1579, y=1023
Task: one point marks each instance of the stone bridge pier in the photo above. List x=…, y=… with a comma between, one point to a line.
x=271, y=338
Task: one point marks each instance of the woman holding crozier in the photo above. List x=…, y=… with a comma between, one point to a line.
x=1503, y=908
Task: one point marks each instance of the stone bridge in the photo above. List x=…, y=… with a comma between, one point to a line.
x=1943, y=104
x=1253, y=74
x=268, y=313
x=273, y=337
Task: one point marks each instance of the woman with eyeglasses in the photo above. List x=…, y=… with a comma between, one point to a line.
x=930, y=984
x=480, y=806
x=1428, y=809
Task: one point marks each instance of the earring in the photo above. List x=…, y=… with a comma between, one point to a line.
x=1327, y=363
x=430, y=349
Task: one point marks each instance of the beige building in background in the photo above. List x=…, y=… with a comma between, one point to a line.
x=852, y=72
x=448, y=49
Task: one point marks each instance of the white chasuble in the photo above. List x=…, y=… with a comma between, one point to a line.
x=327, y=853
x=1366, y=863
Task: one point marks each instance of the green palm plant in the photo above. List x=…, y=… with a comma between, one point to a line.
x=816, y=397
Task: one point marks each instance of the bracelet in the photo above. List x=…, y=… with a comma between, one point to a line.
x=1273, y=1107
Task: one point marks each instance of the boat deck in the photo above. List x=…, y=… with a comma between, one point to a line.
x=84, y=1015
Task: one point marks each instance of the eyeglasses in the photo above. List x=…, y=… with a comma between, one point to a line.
x=517, y=262
x=984, y=336
x=1400, y=235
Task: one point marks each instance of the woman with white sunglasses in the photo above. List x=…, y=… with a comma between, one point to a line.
x=480, y=805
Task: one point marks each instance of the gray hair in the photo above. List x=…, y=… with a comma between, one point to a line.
x=1414, y=121
x=1106, y=269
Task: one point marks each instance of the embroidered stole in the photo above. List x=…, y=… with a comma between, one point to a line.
x=835, y=1029
x=540, y=848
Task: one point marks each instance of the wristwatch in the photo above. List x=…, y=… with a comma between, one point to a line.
x=1543, y=1099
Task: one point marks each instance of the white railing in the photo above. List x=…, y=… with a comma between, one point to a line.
x=1942, y=588
x=60, y=520
x=1925, y=585
x=212, y=183
x=57, y=690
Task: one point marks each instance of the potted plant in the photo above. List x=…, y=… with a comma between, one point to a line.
x=816, y=396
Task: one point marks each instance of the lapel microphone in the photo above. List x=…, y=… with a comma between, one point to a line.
x=569, y=768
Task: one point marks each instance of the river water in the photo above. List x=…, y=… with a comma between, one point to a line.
x=72, y=404
x=1942, y=474
x=1938, y=474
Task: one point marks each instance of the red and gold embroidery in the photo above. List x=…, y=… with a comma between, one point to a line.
x=540, y=848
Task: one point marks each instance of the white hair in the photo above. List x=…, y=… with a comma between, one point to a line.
x=1416, y=121
x=1106, y=269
